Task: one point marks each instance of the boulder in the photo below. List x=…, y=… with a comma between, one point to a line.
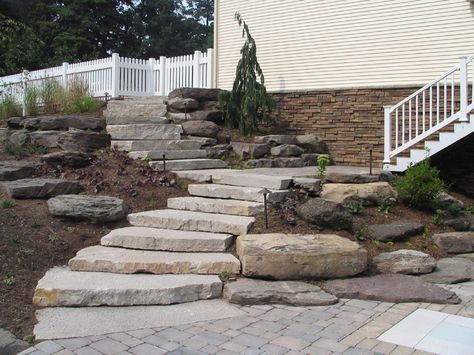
x=410, y=262
x=83, y=141
x=40, y=188
x=182, y=105
x=279, y=163
x=4, y=134
x=395, y=231
x=311, y=143
x=350, y=178
x=63, y=123
x=287, y=150
x=325, y=214
x=455, y=242
x=296, y=256
x=309, y=184
x=14, y=170
x=15, y=122
x=200, y=128
x=208, y=115
x=218, y=151
x=371, y=194
x=48, y=139
x=391, y=288
x=250, y=150
x=203, y=141
x=68, y=158
x=96, y=209
x=460, y=224
x=196, y=94
x=451, y=271
x=145, y=132
x=446, y=200
x=276, y=139
x=310, y=159
x=294, y=293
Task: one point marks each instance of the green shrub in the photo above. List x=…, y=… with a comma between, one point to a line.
x=9, y=107
x=421, y=186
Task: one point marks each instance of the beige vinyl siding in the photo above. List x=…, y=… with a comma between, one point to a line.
x=321, y=44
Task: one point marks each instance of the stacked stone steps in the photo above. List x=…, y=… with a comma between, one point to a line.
x=67, y=288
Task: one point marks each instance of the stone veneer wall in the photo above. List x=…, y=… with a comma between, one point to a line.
x=348, y=120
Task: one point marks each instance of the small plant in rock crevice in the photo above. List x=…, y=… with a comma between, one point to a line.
x=322, y=162
x=354, y=207
x=7, y=204
x=385, y=208
x=224, y=276
x=421, y=186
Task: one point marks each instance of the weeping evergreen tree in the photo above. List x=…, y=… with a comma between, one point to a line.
x=248, y=104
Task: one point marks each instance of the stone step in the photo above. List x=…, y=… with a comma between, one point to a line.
x=63, y=287
x=127, y=261
x=253, y=180
x=189, y=164
x=235, y=192
x=145, y=131
x=192, y=221
x=169, y=154
x=167, y=240
x=213, y=205
x=40, y=188
x=14, y=170
x=115, y=119
x=129, y=109
x=151, y=145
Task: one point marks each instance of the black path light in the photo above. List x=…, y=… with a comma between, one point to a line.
x=265, y=192
x=371, y=149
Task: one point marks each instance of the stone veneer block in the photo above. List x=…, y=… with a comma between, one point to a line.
x=63, y=287
x=127, y=261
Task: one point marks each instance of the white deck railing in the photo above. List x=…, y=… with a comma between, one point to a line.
x=436, y=105
x=122, y=76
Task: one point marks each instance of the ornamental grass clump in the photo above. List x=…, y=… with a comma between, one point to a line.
x=421, y=186
x=248, y=104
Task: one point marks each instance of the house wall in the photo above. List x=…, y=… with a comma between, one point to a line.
x=312, y=44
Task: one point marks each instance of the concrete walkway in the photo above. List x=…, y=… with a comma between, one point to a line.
x=349, y=327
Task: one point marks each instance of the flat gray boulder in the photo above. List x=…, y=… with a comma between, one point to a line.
x=248, y=292
x=391, y=288
x=196, y=94
x=451, y=271
x=77, y=140
x=460, y=224
x=395, y=231
x=354, y=178
x=96, y=209
x=370, y=194
x=276, y=139
x=455, y=242
x=48, y=139
x=295, y=256
x=63, y=123
x=68, y=158
x=325, y=214
x=207, y=115
x=181, y=104
x=250, y=150
x=287, y=150
x=40, y=188
x=311, y=143
x=14, y=170
x=404, y=261
x=200, y=128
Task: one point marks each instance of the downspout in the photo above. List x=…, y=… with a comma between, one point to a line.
x=215, y=70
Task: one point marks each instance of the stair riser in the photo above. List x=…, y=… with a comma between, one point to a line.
x=221, y=191
x=169, y=154
x=179, y=165
x=210, y=207
x=145, y=132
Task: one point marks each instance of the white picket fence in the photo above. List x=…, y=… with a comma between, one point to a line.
x=122, y=76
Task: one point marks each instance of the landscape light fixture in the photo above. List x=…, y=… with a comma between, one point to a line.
x=371, y=149
x=265, y=192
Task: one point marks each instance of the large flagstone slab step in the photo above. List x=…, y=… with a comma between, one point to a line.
x=192, y=221
x=127, y=261
x=40, y=188
x=14, y=169
x=167, y=240
x=63, y=287
x=253, y=180
x=169, y=154
x=150, y=145
x=235, y=192
x=189, y=164
x=145, y=131
x=214, y=205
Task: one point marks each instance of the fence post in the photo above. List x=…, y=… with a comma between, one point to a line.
x=463, y=89
x=162, y=90
x=210, y=67
x=196, y=71
x=115, y=75
x=24, y=86
x=65, y=68
x=387, y=137
x=151, y=82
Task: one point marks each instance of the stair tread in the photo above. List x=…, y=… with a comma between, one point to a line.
x=235, y=192
x=189, y=164
x=128, y=261
x=192, y=221
x=170, y=154
x=63, y=287
x=214, y=205
x=167, y=240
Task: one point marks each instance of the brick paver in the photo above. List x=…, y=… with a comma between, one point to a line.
x=350, y=327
